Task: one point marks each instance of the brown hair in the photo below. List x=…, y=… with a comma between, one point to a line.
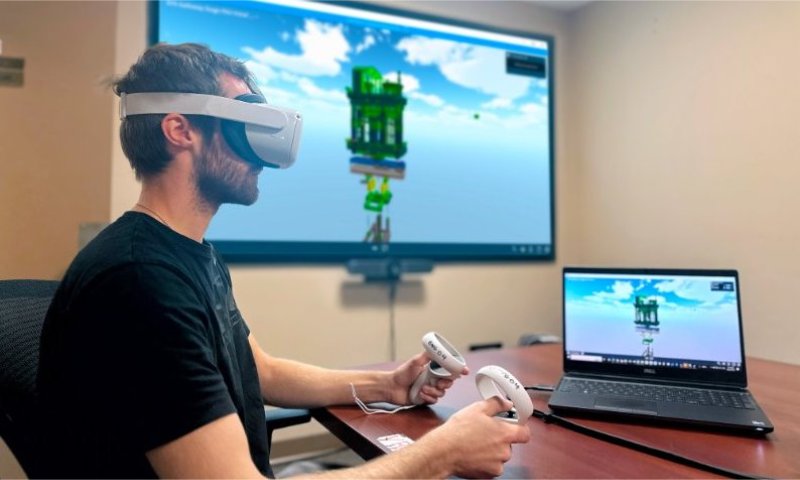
x=185, y=68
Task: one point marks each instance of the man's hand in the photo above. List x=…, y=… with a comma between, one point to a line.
x=403, y=377
x=471, y=444
x=479, y=445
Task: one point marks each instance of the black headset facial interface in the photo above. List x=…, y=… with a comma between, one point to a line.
x=234, y=133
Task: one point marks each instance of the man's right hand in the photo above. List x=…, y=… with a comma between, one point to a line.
x=479, y=444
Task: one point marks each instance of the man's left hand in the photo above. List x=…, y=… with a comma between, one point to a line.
x=403, y=377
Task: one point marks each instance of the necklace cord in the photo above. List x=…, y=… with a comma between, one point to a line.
x=159, y=217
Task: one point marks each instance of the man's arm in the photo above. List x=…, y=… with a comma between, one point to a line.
x=288, y=383
x=216, y=450
x=470, y=444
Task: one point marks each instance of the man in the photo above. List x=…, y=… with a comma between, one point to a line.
x=147, y=367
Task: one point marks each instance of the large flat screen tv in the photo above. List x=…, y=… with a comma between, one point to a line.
x=423, y=138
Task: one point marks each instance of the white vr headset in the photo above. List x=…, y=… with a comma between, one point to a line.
x=261, y=134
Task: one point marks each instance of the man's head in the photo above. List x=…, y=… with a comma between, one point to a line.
x=186, y=68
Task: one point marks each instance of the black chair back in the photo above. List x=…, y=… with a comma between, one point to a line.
x=23, y=305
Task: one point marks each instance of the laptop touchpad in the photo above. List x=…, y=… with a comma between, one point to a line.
x=629, y=405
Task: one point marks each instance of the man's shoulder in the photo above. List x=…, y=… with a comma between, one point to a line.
x=130, y=247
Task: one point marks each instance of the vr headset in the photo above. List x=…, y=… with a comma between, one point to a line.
x=264, y=135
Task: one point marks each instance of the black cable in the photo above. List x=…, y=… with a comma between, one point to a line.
x=392, y=330
x=665, y=454
x=541, y=388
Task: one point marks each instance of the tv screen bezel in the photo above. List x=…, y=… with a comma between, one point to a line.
x=305, y=252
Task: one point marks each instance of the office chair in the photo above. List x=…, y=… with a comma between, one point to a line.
x=23, y=305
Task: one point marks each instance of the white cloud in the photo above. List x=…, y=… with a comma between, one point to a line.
x=286, y=36
x=497, y=103
x=263, y=73
x=430, y=99
x=430, y=51
x=410, y=82
x=411, y=88
x=368, y=41
x=288, y=77
x=697, y=290
x=530, y=108
x=308, y=87
x=535, y=112
x=477, y=68
x=619, y=291
x=323, y=49
x=280, y=97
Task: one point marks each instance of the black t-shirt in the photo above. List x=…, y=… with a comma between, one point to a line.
x=142, y=344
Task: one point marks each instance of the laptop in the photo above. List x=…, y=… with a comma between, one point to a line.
x=656, y=344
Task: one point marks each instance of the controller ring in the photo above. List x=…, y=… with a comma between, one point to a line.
x=442, y=353
x=494, y=381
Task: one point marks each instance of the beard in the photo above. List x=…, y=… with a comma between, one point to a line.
x=222, y=177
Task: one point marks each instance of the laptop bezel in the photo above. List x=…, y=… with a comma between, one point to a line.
x=732, y=379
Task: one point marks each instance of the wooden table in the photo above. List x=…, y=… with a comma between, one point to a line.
x=556, y=452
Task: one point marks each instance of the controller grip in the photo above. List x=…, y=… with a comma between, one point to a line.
x=429, y=375
x=422, y=379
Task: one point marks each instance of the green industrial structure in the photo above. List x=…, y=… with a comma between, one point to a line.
x=646, y=321
x=376, y=121
x=376, y=135
x=646, y=311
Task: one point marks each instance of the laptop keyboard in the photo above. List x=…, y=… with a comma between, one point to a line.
x=691, y=396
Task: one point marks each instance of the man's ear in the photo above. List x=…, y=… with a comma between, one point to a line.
x=178, y=132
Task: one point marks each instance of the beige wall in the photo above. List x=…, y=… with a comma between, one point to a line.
x=685, y=120
x=54, y=132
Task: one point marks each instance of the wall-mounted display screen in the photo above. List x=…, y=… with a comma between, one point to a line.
x=422, y=138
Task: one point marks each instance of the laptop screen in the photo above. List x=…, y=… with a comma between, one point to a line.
x=656, y=323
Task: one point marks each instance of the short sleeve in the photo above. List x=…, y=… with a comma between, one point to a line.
x=156, y=351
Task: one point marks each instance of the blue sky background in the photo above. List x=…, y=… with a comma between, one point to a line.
x=468, y=180
x=696, y=322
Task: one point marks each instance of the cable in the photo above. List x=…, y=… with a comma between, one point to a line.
x=392, y=330
x=369, y=410
x=541, y=388
x=656, y=452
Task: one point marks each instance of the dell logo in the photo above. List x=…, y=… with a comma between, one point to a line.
x=651, y=371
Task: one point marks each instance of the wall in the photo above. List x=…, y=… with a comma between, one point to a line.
x=685, y=124
x=55, y=138
x=54, y=132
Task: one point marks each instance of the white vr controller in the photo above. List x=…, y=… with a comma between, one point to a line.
x=446, y=362
x=492, y=381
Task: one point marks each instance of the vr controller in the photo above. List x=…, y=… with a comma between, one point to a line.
x=491, y=380
x=445, y=362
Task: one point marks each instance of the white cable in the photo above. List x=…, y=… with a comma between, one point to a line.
x=369, y=410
